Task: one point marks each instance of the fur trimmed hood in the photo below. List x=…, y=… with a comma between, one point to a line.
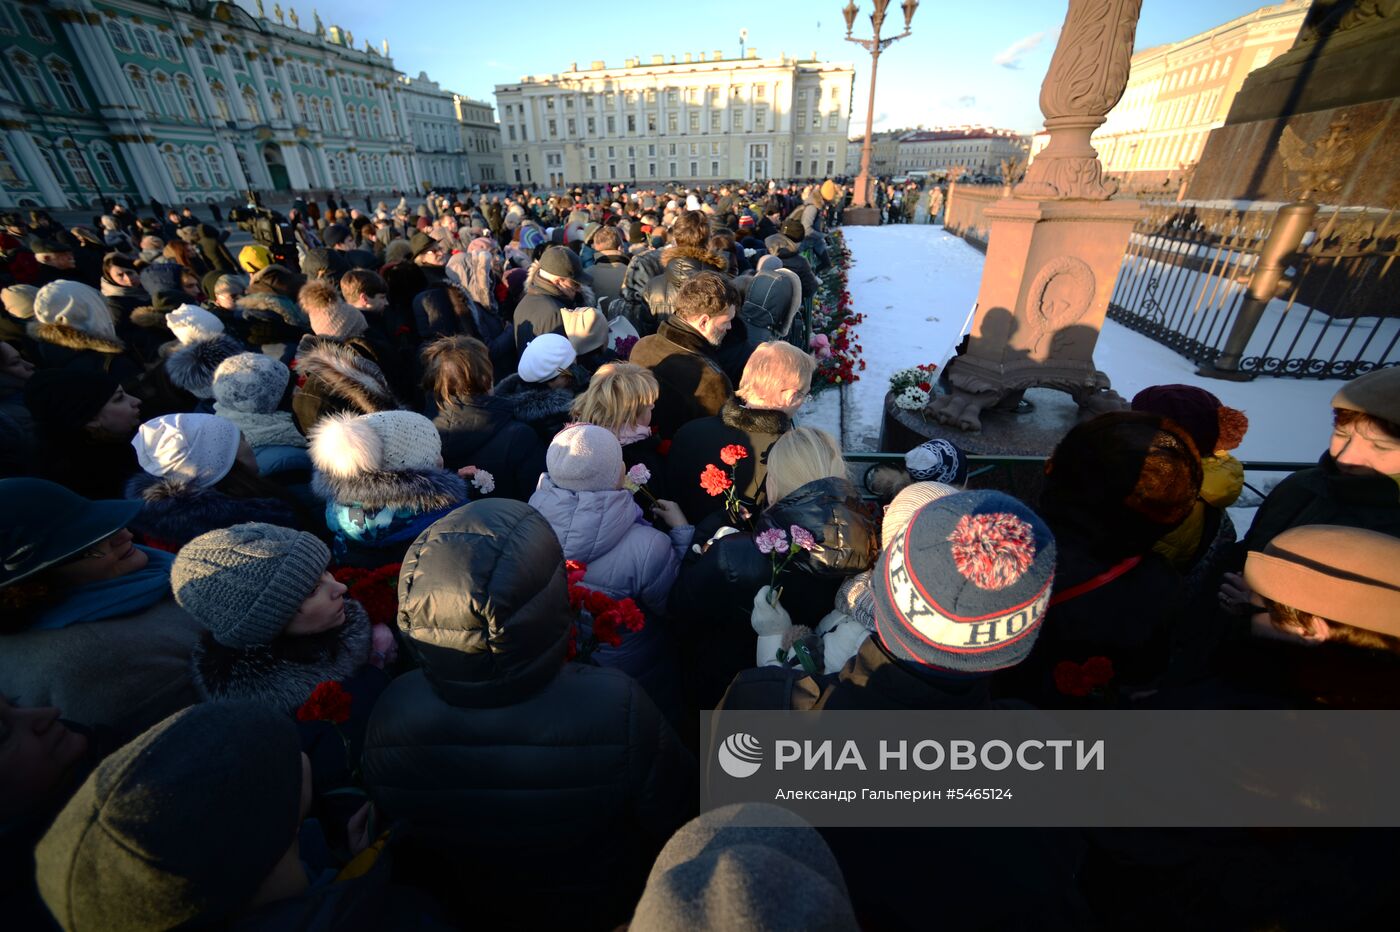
x=282, y=674
x=701, y=256
x=533, y=404
x=740, y=416
x=174, y=512
x=191, y=365
x=72, y=338
x=268, y=306
x=347, y=375
x=415, y=490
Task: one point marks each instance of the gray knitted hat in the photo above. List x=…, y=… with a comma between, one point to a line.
x=251, y=383
x=179, y=827
x=246, y=582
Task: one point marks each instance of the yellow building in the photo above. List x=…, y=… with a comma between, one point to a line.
x=703, y=119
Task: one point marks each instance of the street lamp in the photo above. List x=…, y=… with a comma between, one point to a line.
x=874, y=45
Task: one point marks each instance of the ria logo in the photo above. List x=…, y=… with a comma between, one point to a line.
x=740, y=755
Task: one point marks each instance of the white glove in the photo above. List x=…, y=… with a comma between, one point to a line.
x=771, y=623
x=841, y=644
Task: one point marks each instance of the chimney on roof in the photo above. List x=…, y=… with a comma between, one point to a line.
x=599, y=65
x=718, y=54
x=753, y=53
x=573, y=66
x=702, y=56
x=658, y=59
x=687, y=58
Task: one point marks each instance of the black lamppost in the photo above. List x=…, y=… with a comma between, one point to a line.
x=874, y=45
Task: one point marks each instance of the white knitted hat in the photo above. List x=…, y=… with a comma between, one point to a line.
x=252, y=383
x=585, y=458
x=546, y=356
x=387, y=441
x=190, y=322
x=195, y=448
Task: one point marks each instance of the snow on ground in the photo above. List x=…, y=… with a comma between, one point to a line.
x=916, y=286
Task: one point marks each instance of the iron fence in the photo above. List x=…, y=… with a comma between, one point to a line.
x=1297, y=291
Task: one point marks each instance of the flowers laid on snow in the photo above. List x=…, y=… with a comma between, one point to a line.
x=611, y=618
x=833, y=341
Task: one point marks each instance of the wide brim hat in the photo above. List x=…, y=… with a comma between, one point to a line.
x=1344, y=574
x=44, y=524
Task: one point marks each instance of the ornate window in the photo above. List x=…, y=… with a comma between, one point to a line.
x=79, y=167
x=329, y=110
x=145, y=43
x=250, y=100
x=173, y=166
x=365, y=129
x=279, y=110
x=165, y=93
x=188, y=95
x=197, y=170
x=34, y=22
x=221, y=101
x=216, y=167
x=300, y=101
x=34, y=84
x=116, y=34
x=201, y=51
x=169, y=46
x=107, y=166
x=377, y=121
x=62, y=74
x=10, y=176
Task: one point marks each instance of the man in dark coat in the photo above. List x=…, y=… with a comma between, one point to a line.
x=551, y=784
x=774, y=386
x=681, y=354
x=552, y=288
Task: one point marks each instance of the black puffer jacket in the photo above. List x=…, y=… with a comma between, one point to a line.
x=680, y=264
x=484, y=432
x=551, y=785
x=698, y=443
x=713, y=596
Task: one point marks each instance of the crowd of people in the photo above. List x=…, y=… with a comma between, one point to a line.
x=381, y=576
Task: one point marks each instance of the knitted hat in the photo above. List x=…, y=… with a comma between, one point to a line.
x=75, y=305
x=194, y=448
x=561, y=262
x=339, y=321
x=250, y=382
x=346, y=445
x=1375, y=393
x=1344, y=574
x=63, y=400
x=720, y=872
x=254, y=258
x=179, y=827
x=909, y=500
x=19, y=301
x=937, y=461
x=546, y=356
x=965, y=587
x=190, y=322
x=530, y=237
x=1211, y=425
x=586, y=329
x=42, y=524
x=245, y=583
x=335, y=234
x=585, y=458
x=230, y=284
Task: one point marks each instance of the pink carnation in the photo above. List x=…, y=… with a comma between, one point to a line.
x=771, y=540
x=639, y=475
x=801, y=537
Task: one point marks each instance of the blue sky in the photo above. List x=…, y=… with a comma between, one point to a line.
x=964, y=63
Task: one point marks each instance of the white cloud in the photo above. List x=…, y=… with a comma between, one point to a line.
x=1010, y=57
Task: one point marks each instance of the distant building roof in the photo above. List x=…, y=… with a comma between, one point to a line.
x=942, y=135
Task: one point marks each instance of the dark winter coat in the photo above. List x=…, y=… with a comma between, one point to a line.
x=800, y=267
x=443, y=311
x=540, y=311
x=59, y=346
x=375, y=515
x=679, y=265
x=608, y=271
x=334, y=377
x=551, y=785
x=713, y=596
x=173, y=512
x=211, y=246
x=640, y=271
x=771, y=304
x=698, y=443
x=693, y=385
x=272, y=322
x=1326, y=495
x=543, y=408
x=485, y=433
x=183, y=379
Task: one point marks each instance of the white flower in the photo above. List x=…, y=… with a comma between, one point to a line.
x=485, y=482
x=912, y=398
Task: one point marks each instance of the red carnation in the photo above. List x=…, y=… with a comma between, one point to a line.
x=714, y=481
x=630, y=616
x=605, y=629
x=734, y=452
x=575, y=571
x=328, y=702
x=597, y=603
x=576, y=596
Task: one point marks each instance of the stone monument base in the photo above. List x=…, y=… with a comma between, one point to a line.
x=860, y=217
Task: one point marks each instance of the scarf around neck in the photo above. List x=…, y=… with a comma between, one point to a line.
x=113, y=598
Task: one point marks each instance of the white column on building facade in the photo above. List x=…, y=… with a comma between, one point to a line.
x=296, y=172
x=34, y=165
x=260, y=82
x=235, y=167
x=333, y=78
x=240, y=109
x=359, y=176
x=253, y=153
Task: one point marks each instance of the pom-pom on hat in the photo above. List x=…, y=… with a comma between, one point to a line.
x=965, y=586
x=937, y=460
x=585, y=458
x=345, y=445
x=1211, y=425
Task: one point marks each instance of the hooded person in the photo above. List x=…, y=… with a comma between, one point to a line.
x=583, y=497
x=267, y=316
x=84, y=421
x=338, y=375
x=724, y=869
x=713, y=598
x=544, y=386
x=785, y=248
x=688, y=256
x=199, y=474
x=18, y=303
x=772, y=301
x=381, y=478
x=72, y=329
x=278, y=624
x=248, y=390
x=554, y=284
x=488, y=746
x=184, y=379
x=89, y=625
x=121, y=853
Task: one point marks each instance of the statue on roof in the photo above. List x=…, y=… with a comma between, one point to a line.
x=320, y=26
x=261, y=14
x=384, y=46
x=277, y=12
x=296, y=20
x=349, y=39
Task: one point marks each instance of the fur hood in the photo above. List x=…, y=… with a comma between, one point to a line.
x=347, y=375
x=282, y=674
x=534, y=404
x=191, y=365
x=72, y=338
x=586, y=297
x=700, y=256
x=147, y=316
x=740, y=416
x=415, y=490
x=174, y=512
x=266, y=306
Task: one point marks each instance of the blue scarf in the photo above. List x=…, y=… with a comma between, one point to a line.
x=113, y=598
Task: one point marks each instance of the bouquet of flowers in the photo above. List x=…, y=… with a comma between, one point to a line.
x=780, y=549
x=1082, y=680
x=611, y=618
x=920, y=377
x=912, y=398
x=716, y=481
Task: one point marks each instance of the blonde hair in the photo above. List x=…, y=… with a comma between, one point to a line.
x=800, y=456
x=616, y=396
x=775, y=375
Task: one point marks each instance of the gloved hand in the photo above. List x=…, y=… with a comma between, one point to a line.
x=772, y=624
x=841, y=644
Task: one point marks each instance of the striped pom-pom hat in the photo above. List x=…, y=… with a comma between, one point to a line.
x=965, y=587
